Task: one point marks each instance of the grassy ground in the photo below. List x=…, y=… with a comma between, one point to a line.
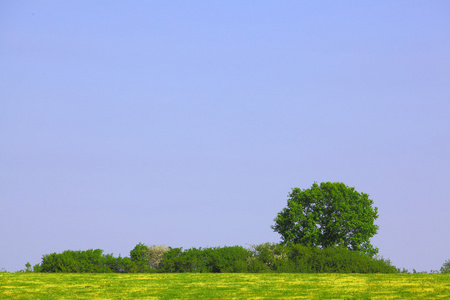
x=224, y=286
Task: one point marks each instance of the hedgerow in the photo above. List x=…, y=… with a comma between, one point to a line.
x=263, y=258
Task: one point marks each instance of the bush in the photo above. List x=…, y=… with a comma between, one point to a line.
x=445, y=269
x=155, y=255
x=257, y=266
x=120, y=264
x=268, y=257
x=37, y=268
x=89, y=261
x=229, y=259
x=191, y=260
x=336, y=260
x=138, y=257
x=273, y=256
x=206, y=260
x=148, y=258
x=301, y=258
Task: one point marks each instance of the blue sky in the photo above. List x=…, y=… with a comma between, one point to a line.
x=187, y=123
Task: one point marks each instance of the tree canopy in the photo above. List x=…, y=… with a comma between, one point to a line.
x=329, y=214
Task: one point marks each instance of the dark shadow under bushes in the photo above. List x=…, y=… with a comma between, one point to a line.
x=268, y=257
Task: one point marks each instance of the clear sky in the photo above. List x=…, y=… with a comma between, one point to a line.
x=187, y=123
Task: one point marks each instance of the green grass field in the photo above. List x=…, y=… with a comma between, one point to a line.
x=224, y=286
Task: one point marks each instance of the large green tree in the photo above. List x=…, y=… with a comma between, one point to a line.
x=329, y=214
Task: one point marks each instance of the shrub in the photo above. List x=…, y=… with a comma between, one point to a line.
x=445, y=269
x=148, y=258
x=120, y=264
x=171, y=261
x=206, y=260
x=37, y=268
x=229, y=259
x=155, y=255
x=89, y=261
x=138, y=257
x=270, y=254
x=301, y=258
x=27, y=268
x=336, y=260
x=267, y=257
x=257, y=266
x=191, y=260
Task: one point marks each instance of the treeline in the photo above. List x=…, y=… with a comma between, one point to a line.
x=262, y=258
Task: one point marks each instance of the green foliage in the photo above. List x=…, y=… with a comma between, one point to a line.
x=120, y=264
x=138, y=257
x=148, y=258
x=257, y=266
x=338, y=260
x=89, y=261
x=37, y=268
x=445, y=269
x=328, y=215
x=192, y=260
x=206, y=260
x=27, y=268
x=301, y=257
x=263, y=258
x=155, y=255
x=270, y=255
x=297, y=258
x=230, y=259
x=266, y=258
